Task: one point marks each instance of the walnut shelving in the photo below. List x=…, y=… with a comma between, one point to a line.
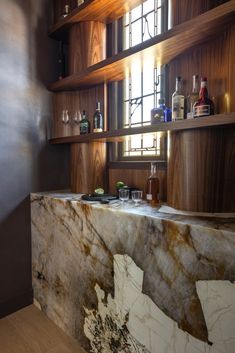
x=121, y=134
x=163, y=48
x=93, y=10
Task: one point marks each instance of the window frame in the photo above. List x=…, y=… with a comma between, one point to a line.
x=115, y=99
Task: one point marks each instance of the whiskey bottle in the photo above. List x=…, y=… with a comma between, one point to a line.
x=84, y=124
x=153, y=186
x=204, y=106
x=97, y=119
x=193, y=97
x=178, y=101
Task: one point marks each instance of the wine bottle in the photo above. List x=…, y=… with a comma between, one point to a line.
x=178, y=101
x=193, y=97
x=153, y=186
x=204, y=106
x=84, y=124
x=97, y=119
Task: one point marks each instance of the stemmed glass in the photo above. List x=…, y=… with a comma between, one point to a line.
x=123, y=195
x=65, y=120
x=136, y=196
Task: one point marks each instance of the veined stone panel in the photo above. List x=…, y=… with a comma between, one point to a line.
x=134, y=279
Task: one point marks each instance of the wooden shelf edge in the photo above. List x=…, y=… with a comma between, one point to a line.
x=93, y=10
x=163, y=48
x=121, y=134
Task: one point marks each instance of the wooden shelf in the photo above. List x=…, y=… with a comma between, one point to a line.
x=93, y=10
x=121, y=134
x=162, y=49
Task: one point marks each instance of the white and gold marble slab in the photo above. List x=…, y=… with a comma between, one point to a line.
x=79, y=252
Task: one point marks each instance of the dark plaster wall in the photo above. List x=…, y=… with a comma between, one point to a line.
x=27, y=162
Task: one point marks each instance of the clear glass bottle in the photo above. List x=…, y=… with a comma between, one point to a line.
x=204, y=106
x=178, y=101
x=157, y=114
x=153, y=186
x=84, y=124
x=97, y=119
x=193, y=97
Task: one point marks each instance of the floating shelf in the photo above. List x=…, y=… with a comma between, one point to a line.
x=121, y=134
x=162, y=49
x=93, y=10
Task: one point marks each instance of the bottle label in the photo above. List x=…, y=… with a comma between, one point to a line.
x=97, y=130
x=157, y=116
x=201, y=110
x=149, y=197
x=178, y=108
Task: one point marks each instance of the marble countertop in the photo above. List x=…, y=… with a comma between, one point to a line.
x=76, y=244
x=225, y=222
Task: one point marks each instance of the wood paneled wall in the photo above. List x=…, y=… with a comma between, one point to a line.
x=87, y=45
x=201, y=168
x=184, y=10
x=77, y=101
x=213, y=59
x=137, y=178
x=88, y=167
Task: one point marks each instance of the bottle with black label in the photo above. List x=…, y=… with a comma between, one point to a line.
x=204, y=106
x=178, y=100
x=84, y=124
x=97, y=119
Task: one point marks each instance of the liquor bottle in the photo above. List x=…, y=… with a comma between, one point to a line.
x=167, y=115
x=193, y=97
x=80, y=2
x=204, y=106
x=153, y=187
x=97, y=119
x=157, y=114
x=65, y=12
x=84, y=124
x=178, y=101
x=61, y=62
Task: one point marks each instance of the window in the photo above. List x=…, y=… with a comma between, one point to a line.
x=144, y=83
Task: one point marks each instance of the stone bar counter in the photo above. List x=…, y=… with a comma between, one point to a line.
x=134, y=279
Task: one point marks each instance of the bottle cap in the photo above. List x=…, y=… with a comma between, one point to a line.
x=97, y=105
x=178, y=78
x=161, y=101
x=204, y=79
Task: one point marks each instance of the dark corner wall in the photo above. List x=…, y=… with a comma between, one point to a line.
x=27, y=162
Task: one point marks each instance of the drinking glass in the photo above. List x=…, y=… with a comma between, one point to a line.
x=123, y=195
x=136, y=196
x=65, y=117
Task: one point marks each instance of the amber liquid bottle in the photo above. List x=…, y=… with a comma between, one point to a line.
x=153, y=187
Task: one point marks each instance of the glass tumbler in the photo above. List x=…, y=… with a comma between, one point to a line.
x=136, y=196
x=123, y=195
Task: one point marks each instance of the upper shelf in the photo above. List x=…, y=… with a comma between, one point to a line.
x=162, y=49
x=94, y=10
x=121, y=134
